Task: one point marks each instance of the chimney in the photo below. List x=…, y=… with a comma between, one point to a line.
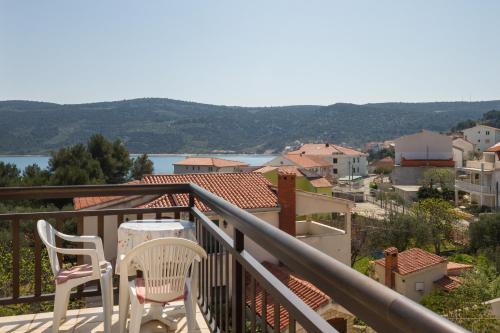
x=286, y=200
x=391, y=265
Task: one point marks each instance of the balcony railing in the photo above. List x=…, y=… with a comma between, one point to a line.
x=230, y=276
x=470, y=187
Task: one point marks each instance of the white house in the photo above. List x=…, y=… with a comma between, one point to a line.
x=480, y=179
x=342, y=161
x=482, y=136
x=462, y=151
x=416, y=153
x=206, y=165
x=315, y=164
x=416, y=272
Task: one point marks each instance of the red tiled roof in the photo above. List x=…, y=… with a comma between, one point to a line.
x=320, y=182
x=494, y=148
x=413, y=260
x=325, y=149
x=210, y=161
x=455, y=266
x=448, y=283
x=306, y=291
x=85, y=202
x=308, y=161
x=291, y=169
x=436, y=163
x=245, y=190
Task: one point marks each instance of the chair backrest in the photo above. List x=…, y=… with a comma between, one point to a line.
x=48, y=236
x=165, y=264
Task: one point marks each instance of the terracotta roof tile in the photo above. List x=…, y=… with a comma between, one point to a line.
x=210, y=161
x=311, y=295
x=448, y=283
x=455, y=266
x=326, y=149
x=85, y=202
x=286, y=168
x=436, y=163
x=306, y=161
x=245, y=190
x=413, y=260
x=320, y=182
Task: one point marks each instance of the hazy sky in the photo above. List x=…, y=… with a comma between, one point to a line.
x=250, y=52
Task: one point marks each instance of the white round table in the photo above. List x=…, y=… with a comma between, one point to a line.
x=133, y=233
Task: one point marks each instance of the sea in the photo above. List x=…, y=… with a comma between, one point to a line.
x=163, y=163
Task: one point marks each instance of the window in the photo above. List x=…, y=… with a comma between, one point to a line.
x=478, y=140
x=487, y=141
x=334, y=161
x=487, y=132
x=358, y=159
x=357, y=170
x=353, y=169
x=335, y=171
x=210, y=169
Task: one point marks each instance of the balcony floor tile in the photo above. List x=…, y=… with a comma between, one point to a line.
x=88, y=320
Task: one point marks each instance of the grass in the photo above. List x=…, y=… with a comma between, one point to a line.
x=363, y=265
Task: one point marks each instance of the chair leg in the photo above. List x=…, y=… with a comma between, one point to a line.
x=66, y=304
x=124, y=303
x=62, y=294
x=190, y=313
x=105, y=303
x=136, y=311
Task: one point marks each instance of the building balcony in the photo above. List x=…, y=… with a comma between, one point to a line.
x=474, y=188
x=236, y=293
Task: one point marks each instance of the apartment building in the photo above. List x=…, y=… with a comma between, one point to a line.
x=482, y=136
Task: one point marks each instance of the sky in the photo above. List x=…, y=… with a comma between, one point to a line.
x=250, y=53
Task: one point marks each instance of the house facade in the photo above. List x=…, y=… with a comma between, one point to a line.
x=415, y=272
x=207, y=165
x=480, y=179
x=416, y=153
x=482, y=136
x=341, y=161
x=462, y=151
x=314, y=164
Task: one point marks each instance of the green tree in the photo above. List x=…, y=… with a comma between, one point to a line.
x=112, y=157
x=465, y=305
x=444, y=178
x=434, y=222
x=142, y=165
x=33, y=175
x=9, y=174
x=74, y=166
x=485, y=233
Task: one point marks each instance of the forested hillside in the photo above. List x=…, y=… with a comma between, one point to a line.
x=157, y=125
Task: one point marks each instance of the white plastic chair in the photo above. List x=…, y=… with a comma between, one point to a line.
x=169, y=273
x=67, y=279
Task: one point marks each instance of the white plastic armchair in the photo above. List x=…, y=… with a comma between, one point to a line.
x=67, y=279
x=168, y=273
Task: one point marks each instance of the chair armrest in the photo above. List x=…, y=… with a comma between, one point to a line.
x=97, y=241
x=93, y=254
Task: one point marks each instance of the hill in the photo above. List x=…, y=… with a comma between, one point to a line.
x=159, y=125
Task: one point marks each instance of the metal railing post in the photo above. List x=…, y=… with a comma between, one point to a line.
x=237, y=299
